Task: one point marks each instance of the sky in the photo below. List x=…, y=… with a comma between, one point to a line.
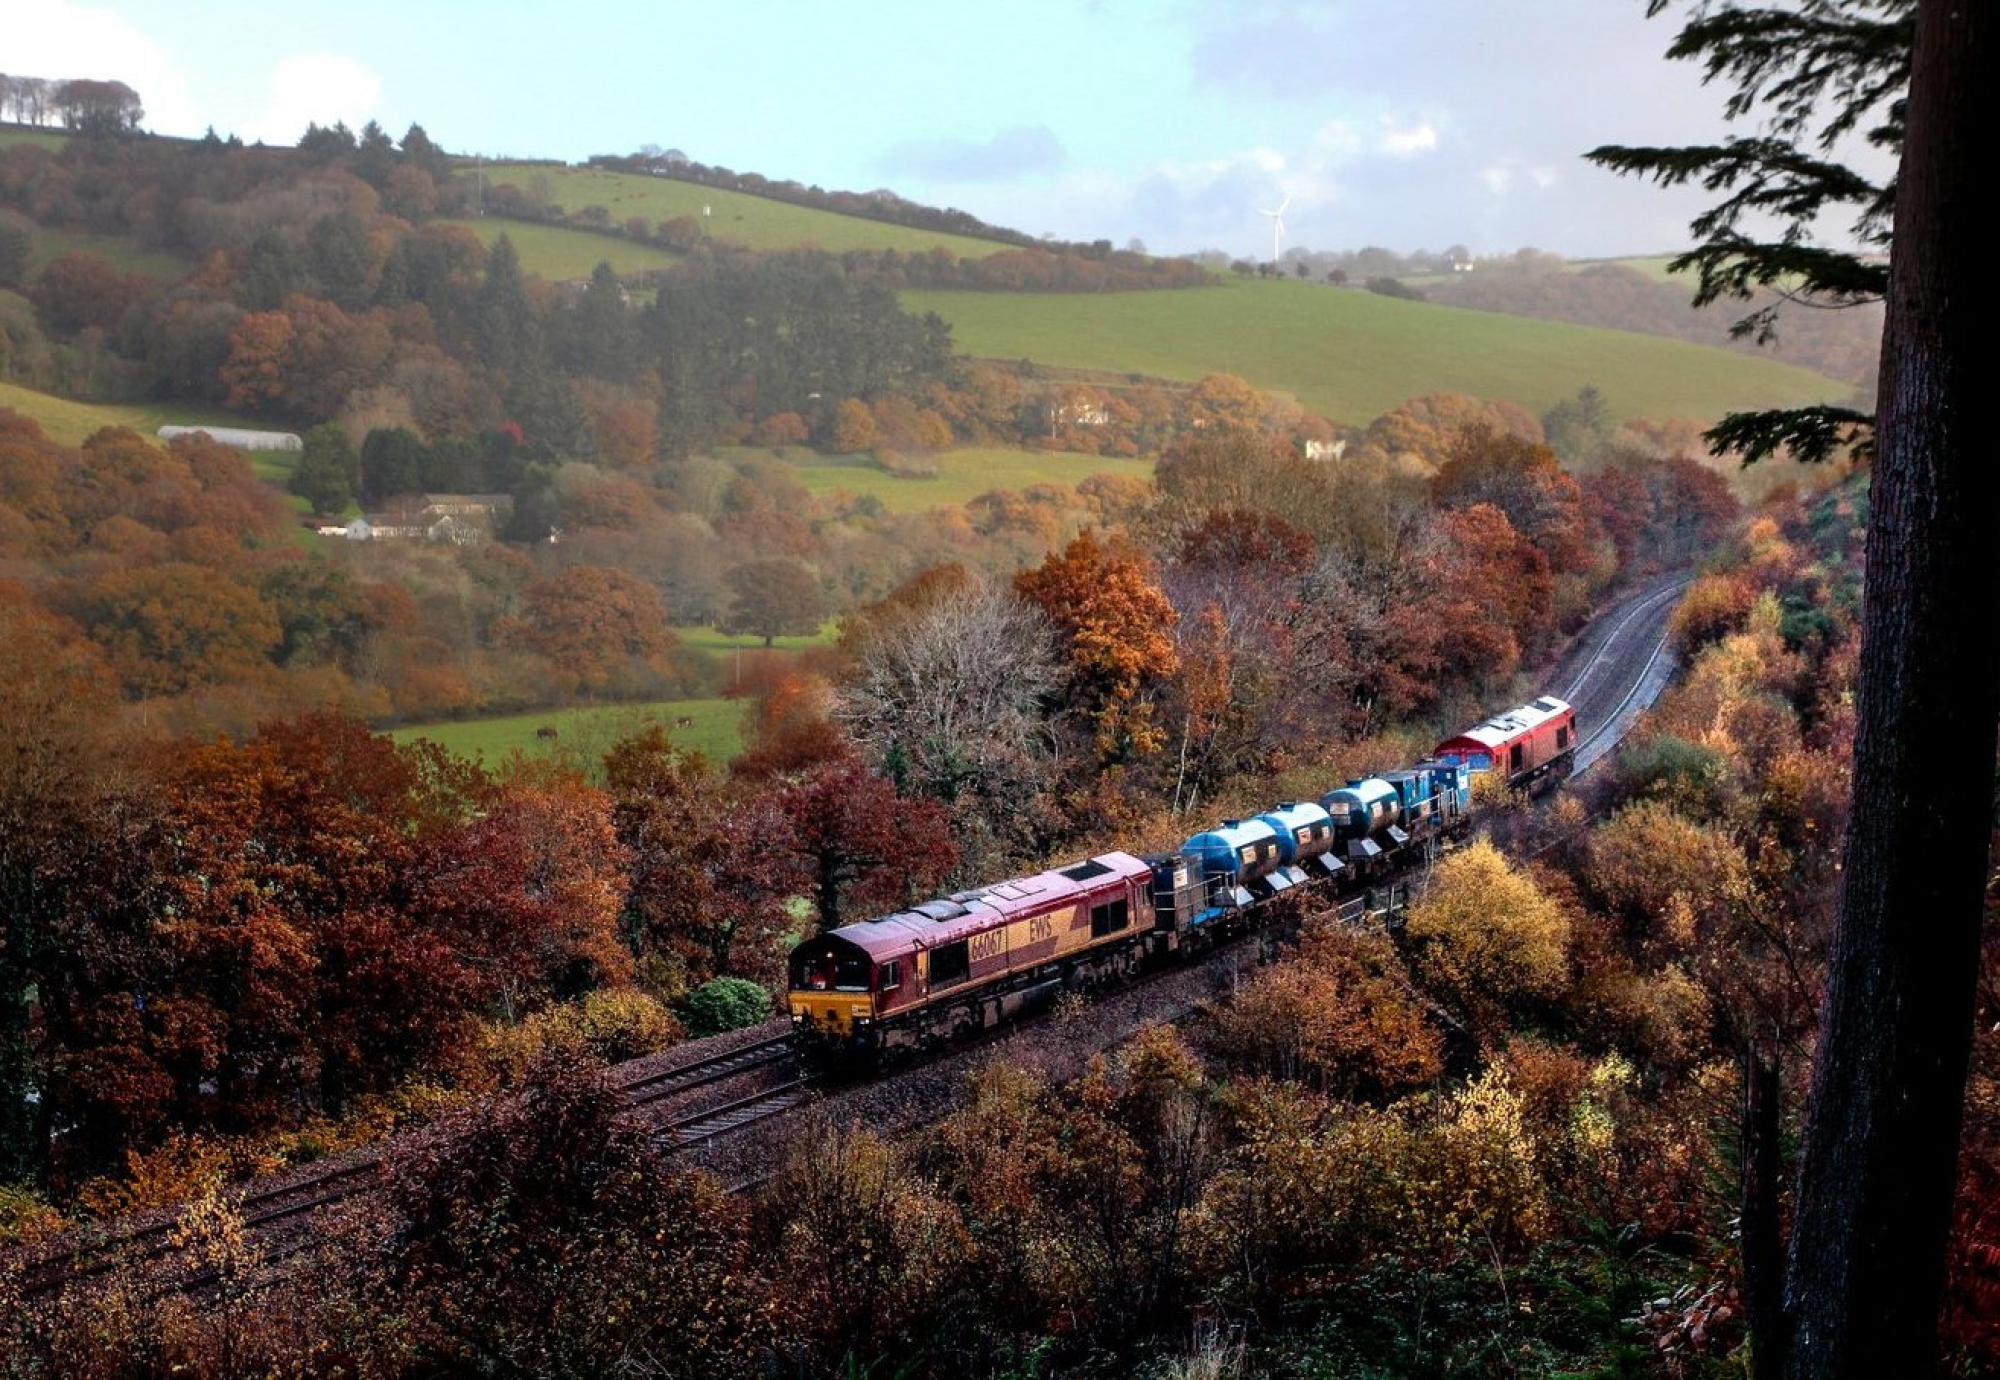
x=1403, y=123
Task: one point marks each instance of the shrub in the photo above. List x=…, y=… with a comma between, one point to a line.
x=1713, y=607
x=1485, y=933
x=24, y=1217
x=725, y=1003
x=609, y=1025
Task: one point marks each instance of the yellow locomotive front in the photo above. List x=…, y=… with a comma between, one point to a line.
x=832, y=990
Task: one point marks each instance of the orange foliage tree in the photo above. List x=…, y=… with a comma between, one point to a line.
x=592, y=622
x=1118, y=624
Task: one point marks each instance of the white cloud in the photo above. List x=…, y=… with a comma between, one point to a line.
x=1498, y=178
x=1409, y=141
x=314, y=88
x=55, y=39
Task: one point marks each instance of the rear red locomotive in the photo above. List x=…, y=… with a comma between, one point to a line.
x=1528, y=745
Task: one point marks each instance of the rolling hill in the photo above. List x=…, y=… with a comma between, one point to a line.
x=1354, y=355
x=754, y=222
x=558, y=253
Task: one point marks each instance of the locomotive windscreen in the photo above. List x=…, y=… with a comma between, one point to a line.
x=830, y=970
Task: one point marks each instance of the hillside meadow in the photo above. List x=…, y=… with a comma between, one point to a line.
x=715, y=729
x=50, y=244
x=738, y=218
x=558, y=253
x=71, y=422
x=1353, y=355
x=962, y=474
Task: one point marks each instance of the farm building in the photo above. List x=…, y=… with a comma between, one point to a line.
x=461, y=519
x=240, y=437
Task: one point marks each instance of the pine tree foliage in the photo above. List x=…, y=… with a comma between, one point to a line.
x=1816, y=76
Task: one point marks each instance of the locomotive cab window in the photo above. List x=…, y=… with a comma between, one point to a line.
x=1110, y=918
x=892, y=976
x=831, y=971
x=1514, y=758
x=1562, y=738
x=950, y=963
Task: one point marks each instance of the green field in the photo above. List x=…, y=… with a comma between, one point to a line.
x=1355, y=355
x=751, y=221
x=962, y=475
x=558, y=253
x=716, y=730
x=1653, y=266
x=706, y=639
x=154, y=263
x=45, y=138
x=71, y=422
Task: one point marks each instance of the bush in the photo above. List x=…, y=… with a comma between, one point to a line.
x=725, y=1003
x=609, y=1025
x=25, y=1218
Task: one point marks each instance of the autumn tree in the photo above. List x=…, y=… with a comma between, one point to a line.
x=79, y=289
x=591, y=623
x=1119, y=625
x=544, y=1232
x=865, y=847
x=531, y=890
x=1523, y=480
x=170, y=627
x=1484, y=935
x=296, y=886
x=853, y=427
x=707, y=885
x=1340, y=1013
x=774, y=598
x=74, y=817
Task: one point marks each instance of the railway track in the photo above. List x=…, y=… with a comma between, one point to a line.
x=1653, y=606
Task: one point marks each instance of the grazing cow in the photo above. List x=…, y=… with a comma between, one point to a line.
x=684, y=722
x=547, y=733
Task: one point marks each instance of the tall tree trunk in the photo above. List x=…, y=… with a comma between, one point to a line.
x=1867, y=1252
x=1763, y=1241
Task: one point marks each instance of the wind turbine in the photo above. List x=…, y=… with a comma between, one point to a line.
x=1277, y=227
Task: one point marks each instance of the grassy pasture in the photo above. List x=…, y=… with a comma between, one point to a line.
x=720, y=643
x=50, y=139
x=559, y=254
x=1354, y=355
x=132, y=258
x=963, y=474
x=71, y=422
x=751, y=221
x=587, y=732
x=1653, y=266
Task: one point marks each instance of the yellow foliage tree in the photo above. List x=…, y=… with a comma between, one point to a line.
x=1486, y=935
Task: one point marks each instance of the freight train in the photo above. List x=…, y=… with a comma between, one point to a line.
x=952, y=967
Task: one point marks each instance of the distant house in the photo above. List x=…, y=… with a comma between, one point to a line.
x=572, y=289
x=460, y=519
x=239, y=437
x=1325, y=450
x=1077, y=410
